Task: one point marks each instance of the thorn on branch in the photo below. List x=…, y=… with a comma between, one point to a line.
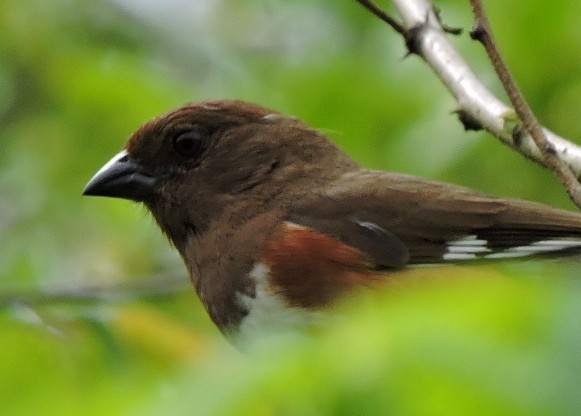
x=468, y=121
x=378, y=12
x=517, y=134
x=446, y=28
x=411, y=37
x=478, y=33
x=549, y=149
x=456, y=31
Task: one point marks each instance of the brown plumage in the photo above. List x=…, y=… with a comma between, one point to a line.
x=246, y=193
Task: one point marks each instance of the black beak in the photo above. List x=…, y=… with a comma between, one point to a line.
x=122, y=177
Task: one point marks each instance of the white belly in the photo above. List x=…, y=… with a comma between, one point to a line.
x=269, y=317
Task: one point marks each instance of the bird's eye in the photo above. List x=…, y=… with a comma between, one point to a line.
x=188, y=144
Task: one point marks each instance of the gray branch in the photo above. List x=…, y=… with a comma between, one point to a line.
x=477, y=106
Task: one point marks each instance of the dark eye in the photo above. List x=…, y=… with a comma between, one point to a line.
x=188, y=144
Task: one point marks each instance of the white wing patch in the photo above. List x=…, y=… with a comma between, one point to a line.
x=468, y=248
x=472, y=248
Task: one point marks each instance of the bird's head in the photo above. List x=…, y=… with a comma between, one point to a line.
x=190, y=165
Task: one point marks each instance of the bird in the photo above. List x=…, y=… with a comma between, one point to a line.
x=275, y=223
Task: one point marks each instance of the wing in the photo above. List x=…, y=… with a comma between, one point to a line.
x=399, y=219
x=309, y=268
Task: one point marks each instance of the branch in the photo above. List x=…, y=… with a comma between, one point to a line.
x=151, y=287
x=477, y=108
x=483, y=33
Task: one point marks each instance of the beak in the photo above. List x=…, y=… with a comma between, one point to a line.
x=122, y=177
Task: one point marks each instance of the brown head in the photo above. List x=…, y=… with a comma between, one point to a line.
x=190, y=165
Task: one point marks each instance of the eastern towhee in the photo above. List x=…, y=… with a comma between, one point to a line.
x=273, y=221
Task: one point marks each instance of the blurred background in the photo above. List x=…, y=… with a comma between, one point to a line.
x=96, y=312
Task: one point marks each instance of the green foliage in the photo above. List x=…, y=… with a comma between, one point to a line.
x=77, y=77
x=486, y=345
x=479, y=348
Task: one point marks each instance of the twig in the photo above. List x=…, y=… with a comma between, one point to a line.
x=373, y=8
x=152, y=287
x=483, y=34
x=477, y=106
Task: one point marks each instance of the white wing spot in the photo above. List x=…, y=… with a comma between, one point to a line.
x=459, y=256
x=543, y=246
x=466, y=248
x=471, y=248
